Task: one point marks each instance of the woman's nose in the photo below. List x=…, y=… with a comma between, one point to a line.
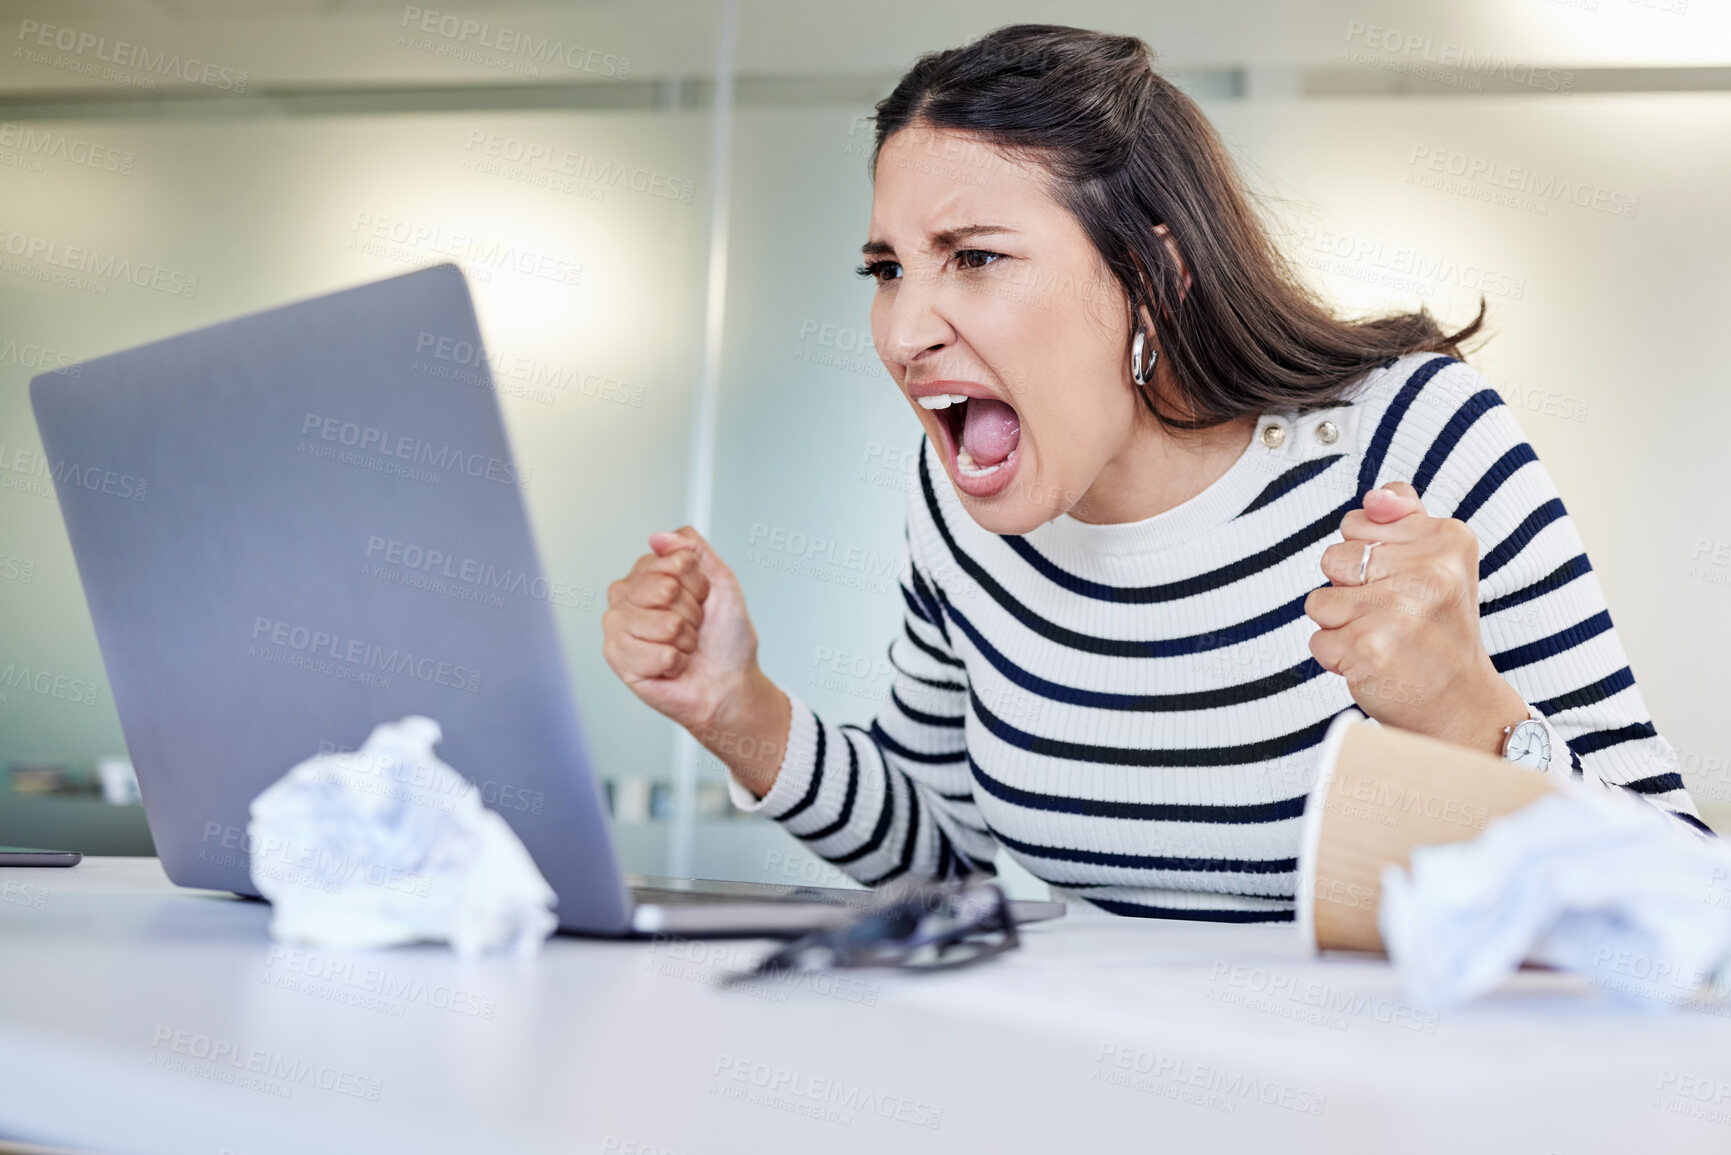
x=916, y=324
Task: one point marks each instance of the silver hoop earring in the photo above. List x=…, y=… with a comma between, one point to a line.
x=1140, y=373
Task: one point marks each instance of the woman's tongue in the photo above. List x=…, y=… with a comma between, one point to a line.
x=990, y=431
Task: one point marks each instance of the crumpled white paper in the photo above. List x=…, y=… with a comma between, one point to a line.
x=1605, y=886
x=387, y=845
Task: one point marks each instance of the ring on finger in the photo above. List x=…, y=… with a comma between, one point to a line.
x=1364, y=562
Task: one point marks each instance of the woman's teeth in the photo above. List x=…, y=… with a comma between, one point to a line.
x=942, y=400
x=964, y=460
x=965, y=463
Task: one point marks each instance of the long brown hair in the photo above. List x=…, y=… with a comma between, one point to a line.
x=1127, y=152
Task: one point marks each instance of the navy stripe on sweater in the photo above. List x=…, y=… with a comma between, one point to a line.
x=1391, y=419
x=1476, y=406
x=1220, y=755
x=1152, y=861
x=1512, y=545
x=1215, y=579
x=1278, y=811
x=1558, y=643
x=1290, y=480
x=1214, y=699
x=1558, y=578
x=1137, y=910
x=1486, y=487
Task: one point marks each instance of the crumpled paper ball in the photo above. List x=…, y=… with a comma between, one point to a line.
x=388, y=845
x=1590, y=882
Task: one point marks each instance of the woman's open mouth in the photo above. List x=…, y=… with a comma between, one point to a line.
x=982, y=436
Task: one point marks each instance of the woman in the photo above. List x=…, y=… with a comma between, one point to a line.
x=1172, y=517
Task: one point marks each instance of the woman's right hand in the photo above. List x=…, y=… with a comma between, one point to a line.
x=676, y=632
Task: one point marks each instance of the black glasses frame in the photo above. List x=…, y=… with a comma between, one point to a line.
x=922, y=928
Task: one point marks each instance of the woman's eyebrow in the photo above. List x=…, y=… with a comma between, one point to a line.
x=942, y=239
x=950, y=238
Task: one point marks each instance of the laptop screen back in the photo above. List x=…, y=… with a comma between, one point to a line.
x=297, y=524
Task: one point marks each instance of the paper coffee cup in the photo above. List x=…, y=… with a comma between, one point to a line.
x=1381, y=792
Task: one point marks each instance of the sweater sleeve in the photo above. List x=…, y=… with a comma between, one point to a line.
x=895, y=800
x=1542, y=614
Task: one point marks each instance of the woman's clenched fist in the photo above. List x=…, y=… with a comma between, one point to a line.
x=676, y=632
x=1400, y=622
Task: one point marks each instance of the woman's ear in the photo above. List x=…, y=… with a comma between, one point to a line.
x=1165, y=234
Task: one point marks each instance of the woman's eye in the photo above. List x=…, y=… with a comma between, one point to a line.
x=880, y=271
x=976, y=258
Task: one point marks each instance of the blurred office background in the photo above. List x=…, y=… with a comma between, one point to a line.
x=701, y=168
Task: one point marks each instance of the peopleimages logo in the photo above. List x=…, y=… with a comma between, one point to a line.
x=821, y=558
x=799, y=1093
x=1390, y=799
x=169, y=66
x=360, y=656
x=460, y=31
x=1223, y=1089
x=25, y=895
x=539, y=374
x=313, y=865
x=1540, y=188
x=29, y=356
x=1446, y=62
x=48, y=684
x=102, y=266
x=699, y=961
x=35, y=466
x=415, y=782
x=1287, y=996
x=484, y=578
x=1377, y=261
x=44, y=144
x=285, y=1071
x=582, y=167
x=388, y=776
x=401, y=446
x=376, y=233
x=99, y=480
x=349, y=982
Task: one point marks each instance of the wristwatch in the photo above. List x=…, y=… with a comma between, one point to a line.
x=1530, y=742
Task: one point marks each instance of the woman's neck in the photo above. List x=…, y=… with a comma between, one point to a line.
x=1160, y=469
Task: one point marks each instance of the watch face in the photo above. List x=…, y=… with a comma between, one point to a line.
x=1529, y=744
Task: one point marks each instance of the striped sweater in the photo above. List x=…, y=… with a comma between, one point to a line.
x=1132, y=712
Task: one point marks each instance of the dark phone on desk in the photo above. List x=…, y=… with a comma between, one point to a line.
x=25, y=856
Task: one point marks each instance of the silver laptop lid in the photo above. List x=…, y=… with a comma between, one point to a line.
x=291, y=527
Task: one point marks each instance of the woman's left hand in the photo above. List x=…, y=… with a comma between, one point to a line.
x=1406, y=637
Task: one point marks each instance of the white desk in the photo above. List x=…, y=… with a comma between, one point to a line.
x=113, y=980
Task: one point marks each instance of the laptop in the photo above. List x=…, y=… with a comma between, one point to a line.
x=298, y=524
